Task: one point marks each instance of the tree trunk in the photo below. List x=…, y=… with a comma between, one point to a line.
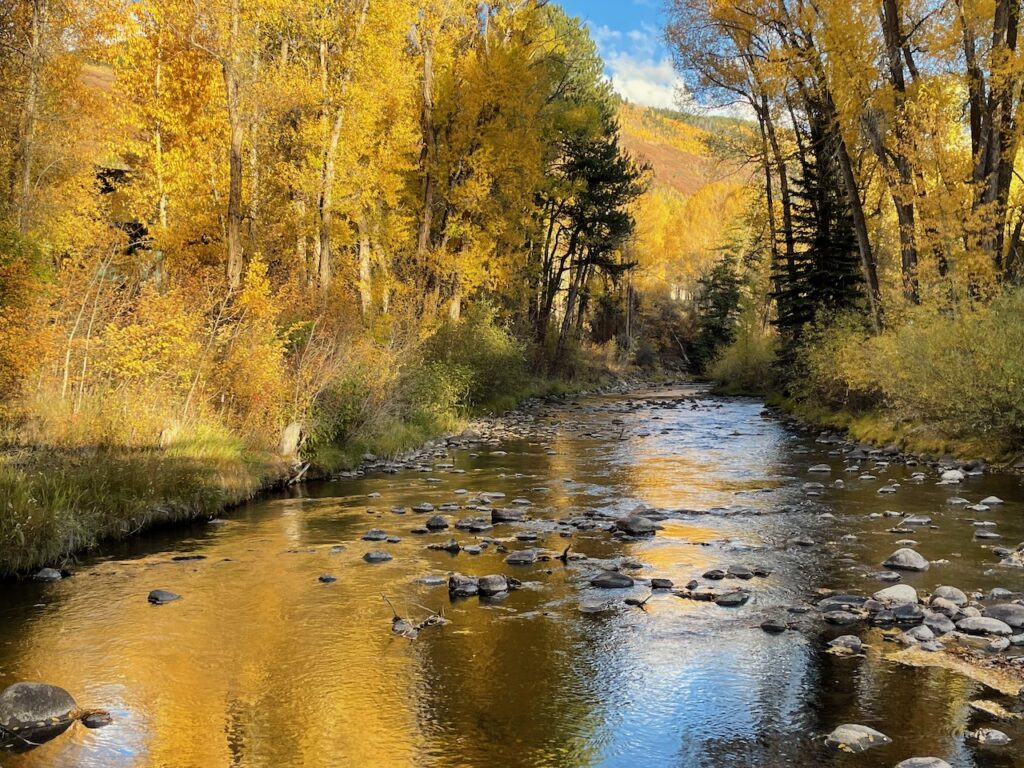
x=901, y=184
x=325, y=201
x=429, y=148
x=365, y=276
x=27, y=144
x=231, y=84
x=325, y=198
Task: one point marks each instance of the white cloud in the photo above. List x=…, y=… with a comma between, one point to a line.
x=645, y=80
x=638, y=67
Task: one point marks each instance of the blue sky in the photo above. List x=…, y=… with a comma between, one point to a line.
x=629, y=35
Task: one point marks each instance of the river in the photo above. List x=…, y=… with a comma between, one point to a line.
x=260, y=664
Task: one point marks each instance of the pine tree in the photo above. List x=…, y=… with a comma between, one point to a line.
x=825, y=276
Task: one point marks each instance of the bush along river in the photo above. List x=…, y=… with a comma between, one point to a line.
x=661, y=578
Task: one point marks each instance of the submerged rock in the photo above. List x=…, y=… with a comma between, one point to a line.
x=856, y=738
x=847, y=643
x=162, y=597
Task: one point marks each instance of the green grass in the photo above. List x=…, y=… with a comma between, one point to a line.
x=54, y=504
x=879, y=426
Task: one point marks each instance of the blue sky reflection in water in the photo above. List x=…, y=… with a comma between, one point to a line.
x=260, y=665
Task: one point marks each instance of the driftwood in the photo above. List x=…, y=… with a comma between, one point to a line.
x=301, y=473
x=406, y=628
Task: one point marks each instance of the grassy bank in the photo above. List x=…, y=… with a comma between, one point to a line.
x=933, y=382
x=58, y=503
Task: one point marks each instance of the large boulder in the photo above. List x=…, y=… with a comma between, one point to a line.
x=907, y=559
x=979, y=625
x=1010, y=614
x=33, y=713
x=856, y=738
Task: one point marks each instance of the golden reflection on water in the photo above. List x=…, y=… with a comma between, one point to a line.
x=261, y=666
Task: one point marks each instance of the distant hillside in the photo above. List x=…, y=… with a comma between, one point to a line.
x=675, y=145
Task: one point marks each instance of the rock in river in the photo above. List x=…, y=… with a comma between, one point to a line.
x=35, y=712
x=733, y=599
x=923, y=762
x=377, y=556
x=847, y=643
x=906, y=560
x=506, y=516
x=611, y=580
x=496, y=584
x=463, y=586
x=856, y=738
x=954, y=595
x=774, y=626
x=979, y=625
x=522, y=557
x=635, y=525
x=900, y=593
x=437, y=523
x=48, y=574
x=162, y=596
x=1010, y=614
x=989, y=737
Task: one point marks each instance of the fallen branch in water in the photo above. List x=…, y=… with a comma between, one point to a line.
x=405, y=628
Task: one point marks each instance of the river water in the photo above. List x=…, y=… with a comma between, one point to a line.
x=262, y=665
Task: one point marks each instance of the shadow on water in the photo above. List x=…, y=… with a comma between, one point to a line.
x=260, y=664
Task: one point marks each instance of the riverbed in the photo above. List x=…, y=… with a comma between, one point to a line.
x=264, y=663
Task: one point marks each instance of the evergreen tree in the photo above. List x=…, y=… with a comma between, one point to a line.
x=718, y=310
x=824, y=277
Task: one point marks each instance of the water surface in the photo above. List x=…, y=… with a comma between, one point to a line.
x=262, y=665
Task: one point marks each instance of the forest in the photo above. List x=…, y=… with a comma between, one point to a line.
x=879, y=290
x=246, y=240
x=239, y=230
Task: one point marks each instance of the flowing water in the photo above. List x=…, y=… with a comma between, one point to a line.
x=262, y=665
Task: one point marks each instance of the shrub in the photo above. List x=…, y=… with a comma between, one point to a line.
x=746, y=366
x=473, y=360
x=960, y=371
